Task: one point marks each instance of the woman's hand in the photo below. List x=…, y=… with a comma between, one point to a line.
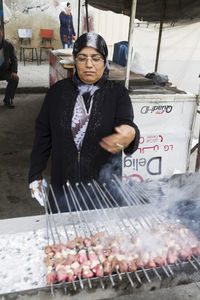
x=120, y=140
x=36, y=190
x=14, y=76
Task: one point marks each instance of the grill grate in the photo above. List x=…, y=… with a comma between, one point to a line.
x=136, y=214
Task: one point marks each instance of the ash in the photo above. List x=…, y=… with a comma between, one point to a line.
x=21, y=261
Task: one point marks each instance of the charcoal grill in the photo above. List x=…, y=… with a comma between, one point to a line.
x=135, y=213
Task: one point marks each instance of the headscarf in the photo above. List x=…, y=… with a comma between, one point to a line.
x=91, y=39
x=94, y=40
x=64, y=5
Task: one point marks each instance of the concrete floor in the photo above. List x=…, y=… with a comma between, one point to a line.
x=16, y=138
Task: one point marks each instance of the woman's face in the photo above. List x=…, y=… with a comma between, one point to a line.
x=68, y=9
x=89, y=65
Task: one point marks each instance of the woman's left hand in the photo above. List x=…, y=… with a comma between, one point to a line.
x=118, y=141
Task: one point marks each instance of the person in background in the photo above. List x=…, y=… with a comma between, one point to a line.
x=85, y=123
x=67, y=33
x=8, y=69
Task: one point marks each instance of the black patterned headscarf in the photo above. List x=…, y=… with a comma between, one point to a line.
x=91, y=39
x=94, y=40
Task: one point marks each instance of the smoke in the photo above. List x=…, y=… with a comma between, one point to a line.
x=171, y=200
x=111, y=168
x=177, y=198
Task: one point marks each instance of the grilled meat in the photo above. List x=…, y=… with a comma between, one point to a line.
x=100, y=255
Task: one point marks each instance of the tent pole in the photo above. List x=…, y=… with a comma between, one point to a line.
x=197, y=166
x=160, y=33
x=130, y=41
x=86, y=11
x=1, y=16
x=79, y=14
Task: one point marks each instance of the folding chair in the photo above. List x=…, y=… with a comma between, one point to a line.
x=46, y=42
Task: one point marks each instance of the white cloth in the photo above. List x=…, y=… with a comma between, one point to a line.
x=63, y=6
x=37, y=190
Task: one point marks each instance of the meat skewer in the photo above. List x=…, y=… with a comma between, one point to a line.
x=99, y=256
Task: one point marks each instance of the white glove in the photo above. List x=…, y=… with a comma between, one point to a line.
x=36, y=190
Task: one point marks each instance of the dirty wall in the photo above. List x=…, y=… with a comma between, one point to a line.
x=35, y=14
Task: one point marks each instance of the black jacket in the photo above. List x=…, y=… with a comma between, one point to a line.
x=9, y=57
x=111, y=107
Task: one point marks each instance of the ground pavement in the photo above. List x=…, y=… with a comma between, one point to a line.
x=16, y=138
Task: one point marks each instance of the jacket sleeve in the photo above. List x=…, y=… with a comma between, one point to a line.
x=73, y=31
x=42, y=143
x=125, y=116
x=13, y=59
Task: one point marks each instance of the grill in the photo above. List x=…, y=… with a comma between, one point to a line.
x=135, y=214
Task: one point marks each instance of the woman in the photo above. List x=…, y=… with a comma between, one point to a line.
x=67, y=32
x=84, y=122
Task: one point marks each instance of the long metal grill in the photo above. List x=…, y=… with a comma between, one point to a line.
x=135, y=214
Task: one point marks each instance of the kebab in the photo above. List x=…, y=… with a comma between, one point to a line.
x=99, y=256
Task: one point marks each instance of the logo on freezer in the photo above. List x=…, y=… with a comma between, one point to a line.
x=156, y=109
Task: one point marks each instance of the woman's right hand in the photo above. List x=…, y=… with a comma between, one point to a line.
x=36, y=190
x=120, y=140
